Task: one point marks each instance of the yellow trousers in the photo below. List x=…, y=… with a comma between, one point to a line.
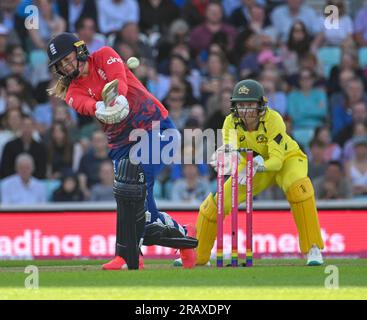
x=293, y=180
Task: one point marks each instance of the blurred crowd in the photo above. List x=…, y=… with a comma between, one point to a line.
x=191, y=55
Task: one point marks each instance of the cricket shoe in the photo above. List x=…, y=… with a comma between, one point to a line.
x=178, y=263
x=314, y=257
x=118, y=263
x=188, y=256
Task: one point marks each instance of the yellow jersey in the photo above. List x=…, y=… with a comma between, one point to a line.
x=269, y=140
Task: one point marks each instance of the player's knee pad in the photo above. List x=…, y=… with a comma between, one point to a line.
x=301, y=198
x=129, y=189
x=206, y=226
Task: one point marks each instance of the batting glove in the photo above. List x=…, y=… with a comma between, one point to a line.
x=115, y=113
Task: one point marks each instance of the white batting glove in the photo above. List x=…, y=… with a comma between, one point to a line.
x=258, y=167
x=228, y=150
x=115, y=113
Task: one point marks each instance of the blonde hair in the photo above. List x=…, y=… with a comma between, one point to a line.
x=60, y=89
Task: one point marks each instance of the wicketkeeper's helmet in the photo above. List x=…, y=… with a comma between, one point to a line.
x=248, y=90
x=61, y=46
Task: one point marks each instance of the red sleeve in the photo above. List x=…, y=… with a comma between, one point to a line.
x=80, y=101
x=114, y=68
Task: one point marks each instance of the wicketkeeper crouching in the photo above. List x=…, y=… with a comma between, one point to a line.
x=278, y=160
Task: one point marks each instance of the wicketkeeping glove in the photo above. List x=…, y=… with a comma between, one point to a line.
x=228, y=149
x=258, y=167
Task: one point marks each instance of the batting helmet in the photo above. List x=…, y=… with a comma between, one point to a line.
x=248, y=90
x=64, y=44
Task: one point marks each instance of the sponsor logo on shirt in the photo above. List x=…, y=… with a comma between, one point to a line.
x=70, y=103
x=261, y=139
x=113, y=60
x=102, y=74
x=91, y=93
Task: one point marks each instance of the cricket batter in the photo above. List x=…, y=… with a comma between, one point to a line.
x=277, y=160
x=88, y=84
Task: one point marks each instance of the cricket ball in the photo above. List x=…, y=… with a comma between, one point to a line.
x=133, y=62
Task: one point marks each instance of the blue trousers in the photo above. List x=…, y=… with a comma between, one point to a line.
x=153, y=162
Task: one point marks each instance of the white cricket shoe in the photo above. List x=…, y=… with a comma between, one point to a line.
x=178, y=263
x=314, y=257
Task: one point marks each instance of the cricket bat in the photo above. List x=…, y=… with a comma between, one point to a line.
x=110, y=92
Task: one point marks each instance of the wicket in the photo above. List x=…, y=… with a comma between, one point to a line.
x=234, y=207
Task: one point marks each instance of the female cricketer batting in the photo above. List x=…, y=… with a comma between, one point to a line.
x=102, y=85
x=278, y=160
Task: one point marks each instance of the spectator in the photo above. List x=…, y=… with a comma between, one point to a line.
x=72, y=10
x=341, y=115
x=24, y=144
x=332, y=152
x=316, y=159
x=130, y=34
x=284, y=16
x=11, y=128
x=177, y=37
x=217, y=65
x=259, y=22
x=194, y=12
x=50, y=24
x=248, y=47
x=102, y=191
x=216, y=120
x=15, y=84
x=175, y=103
x=197, y=113
x=16, y=62
x=157, y=15
x=307, y=106
x=15, y=102
x=335, y=36
x=178, y=73
x=9, y=18
x=125, y=50
x=22, y=188
x=114, y=14
x=360, y=26
x=333, y=184
x=349, y=62
x=4, y=33
x=214, y=102
x=277, y=99
x=297, y=45
x=60, y=151
x=190, y=188
x=88, y=172
x=241, y=16
x=86, y=29
x=69, y=190
x=201, y=36
x=359, y=115
x=359, y=131
x=357, y=168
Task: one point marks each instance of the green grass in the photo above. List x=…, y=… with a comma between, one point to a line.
x=268, y=279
